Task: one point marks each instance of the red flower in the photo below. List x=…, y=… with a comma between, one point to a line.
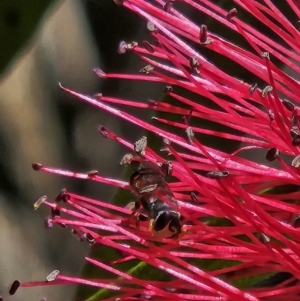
x=260, y=236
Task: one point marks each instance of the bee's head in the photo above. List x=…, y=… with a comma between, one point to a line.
x=167, y=224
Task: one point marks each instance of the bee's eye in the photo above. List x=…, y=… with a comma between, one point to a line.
x=162, y=220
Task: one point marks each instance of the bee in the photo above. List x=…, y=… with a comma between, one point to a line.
x=148, y=184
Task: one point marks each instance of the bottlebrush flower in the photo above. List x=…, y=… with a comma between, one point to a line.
x=233, y=215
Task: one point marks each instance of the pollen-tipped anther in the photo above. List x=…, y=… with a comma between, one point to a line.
x=168, y=5
x=118, y=2
x=100, y=73
x=127, y=159
x=37, y=166
x=98, y=96
x=89, y=238
x=39, y=202
x=151, y=27
x=122, y=47
x=271, y=115
x=14, y=287
x=264, y=238
x=63, y=196
x=166, y=142
x=147, y=69
x=48, y=223
x=231, y=14
x=272, y=154
x=140, y=146
x=190, y=135
x=217, y=174
x=52, y=276
x=296, y=161
x=168, y=89
x=194, y=196
x=266, y=90
x=265, y=55
x=203, y=34
x=103, y=131
x=166, y=150
x=253, y=88
x=92, y=173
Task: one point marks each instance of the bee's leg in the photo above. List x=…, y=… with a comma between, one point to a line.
x=134, y=206
x=137, y=221
x=150, y=226
x=134, y=217
x=140, y=218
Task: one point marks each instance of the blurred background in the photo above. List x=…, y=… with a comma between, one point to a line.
x=42, y=43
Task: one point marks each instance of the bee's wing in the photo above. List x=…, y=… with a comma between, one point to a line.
x=131, y=206
x=136, y=208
